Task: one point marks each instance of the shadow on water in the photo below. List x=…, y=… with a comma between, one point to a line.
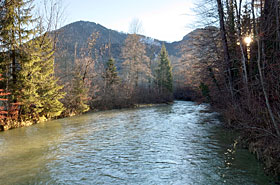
x=182, y=143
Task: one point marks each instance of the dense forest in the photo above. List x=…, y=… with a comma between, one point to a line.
x=234, y=67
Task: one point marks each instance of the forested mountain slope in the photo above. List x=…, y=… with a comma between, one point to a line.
x=73, y=38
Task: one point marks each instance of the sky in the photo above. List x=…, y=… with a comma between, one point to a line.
x=168, y=20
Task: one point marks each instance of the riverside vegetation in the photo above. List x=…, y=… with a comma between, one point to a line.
x=241, y=77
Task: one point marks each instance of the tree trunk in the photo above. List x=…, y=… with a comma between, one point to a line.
x=253, y=16
x=277, y=24
x=264, y=91
x=225, y=46
x=244, y=59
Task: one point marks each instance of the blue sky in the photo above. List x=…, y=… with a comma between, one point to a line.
x=167, y=20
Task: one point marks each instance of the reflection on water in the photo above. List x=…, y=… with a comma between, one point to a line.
x=172, y=144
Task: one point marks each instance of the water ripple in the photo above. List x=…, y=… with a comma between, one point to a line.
x=181, y=143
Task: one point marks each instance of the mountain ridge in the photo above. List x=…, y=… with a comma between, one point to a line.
x=74, y=36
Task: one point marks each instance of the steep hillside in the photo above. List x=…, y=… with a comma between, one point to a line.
x=73, y=37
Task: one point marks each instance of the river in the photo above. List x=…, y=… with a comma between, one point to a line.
x=180, y=144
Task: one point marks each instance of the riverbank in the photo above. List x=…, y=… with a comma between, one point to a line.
x=266, y=150
x=260, y=142
x=17, y=124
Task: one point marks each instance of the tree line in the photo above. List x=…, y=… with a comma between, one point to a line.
x=98, y=83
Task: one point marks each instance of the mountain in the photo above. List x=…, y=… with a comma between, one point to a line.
x=73, y=37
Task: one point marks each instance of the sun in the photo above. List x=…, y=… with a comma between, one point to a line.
x=248, y=40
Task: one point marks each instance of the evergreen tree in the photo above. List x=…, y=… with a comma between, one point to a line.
x=29, y=63
x=164, y=72
x=39, y=92
x=48, y=90
x=14, y=32
x=111, y=74
x=26, y=91
x=111, y=81
x=77, y=98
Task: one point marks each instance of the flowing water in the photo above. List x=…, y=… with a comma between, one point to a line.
x=172, y=144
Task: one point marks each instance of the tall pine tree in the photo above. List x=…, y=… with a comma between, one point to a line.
x=111, y=74
x=47, y=88
x=164, y=74
x=111, y=82
x=28, y=59
x=15, y=31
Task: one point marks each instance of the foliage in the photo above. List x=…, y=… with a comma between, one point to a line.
x=48, y=88
x=28, y=63
x=111, y=73
x=135, y=66
x=8, y=111
x=205, y=91
x=77, y=97
x=243, y=81
x=3, y=99
x=164, y=72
